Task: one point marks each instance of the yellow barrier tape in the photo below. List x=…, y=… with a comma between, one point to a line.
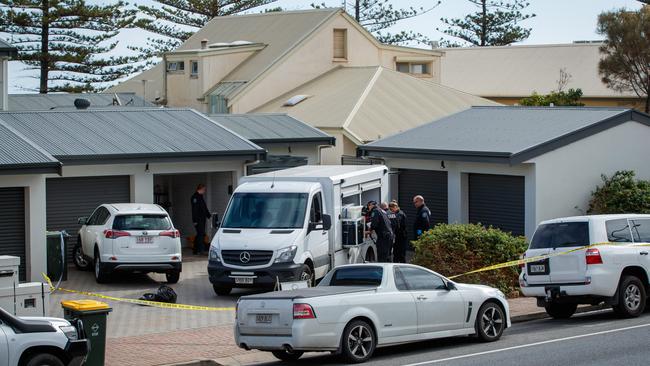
x=536, y=259
x=156, y=304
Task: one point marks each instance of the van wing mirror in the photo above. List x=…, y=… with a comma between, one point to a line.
x=327, y=222
x=82, y=220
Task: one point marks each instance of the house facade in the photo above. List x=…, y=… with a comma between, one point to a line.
x=236, y=63
x=512, y=167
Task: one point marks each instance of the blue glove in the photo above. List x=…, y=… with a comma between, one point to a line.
x=419, y=232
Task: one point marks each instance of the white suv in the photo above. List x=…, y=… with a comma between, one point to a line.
x=129, y=237
x=615, y=273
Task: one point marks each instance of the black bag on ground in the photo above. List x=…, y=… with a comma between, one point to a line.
x=164, y=294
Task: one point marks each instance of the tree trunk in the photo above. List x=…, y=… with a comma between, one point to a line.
x=484, y=23
x=357, y=10
x=45, y=40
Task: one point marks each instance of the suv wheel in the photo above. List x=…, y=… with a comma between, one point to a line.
x=79, y=258
x=560, y=311
x=631, y=298
x=43, y=359
x=173, y=276
x=222, y=290
x=490, y=322
x=100, y=273
x=359, y=342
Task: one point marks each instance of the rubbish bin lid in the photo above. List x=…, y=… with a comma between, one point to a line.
x=84, y=305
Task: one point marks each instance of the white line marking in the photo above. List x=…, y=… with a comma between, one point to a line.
x=528, y=345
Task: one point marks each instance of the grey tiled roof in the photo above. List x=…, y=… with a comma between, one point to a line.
x=7, y=49
x=128, y=134
x=44, y=102
x=17, y=152
x=271, y=127
x=503, y=134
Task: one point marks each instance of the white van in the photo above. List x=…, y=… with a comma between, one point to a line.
x=295, y=225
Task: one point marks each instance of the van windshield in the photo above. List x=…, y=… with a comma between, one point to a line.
x=561, y=235
x=266, y=211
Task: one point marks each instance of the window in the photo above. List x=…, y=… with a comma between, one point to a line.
x=400, y=282
x=561, y=235
x=194, y=68
x=99, y=217
x=340, y=44
x=142, y=222
x=218, y=105
x=175, y=66
x=357, y=276
x=415, y=68
x=266, y=211
x=641, y=230
x=316, y=212
x=93, y=218
x=618, y=231
x=419, y=279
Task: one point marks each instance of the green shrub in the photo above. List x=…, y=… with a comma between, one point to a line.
x=452, y=249
x=620, y=193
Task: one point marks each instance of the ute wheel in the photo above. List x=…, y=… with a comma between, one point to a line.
x=359, y=342
x=79, y=258
x=307, y=275
x=173, y=277
x=43, y=359
x=222, y=290
x=100, y=273
x=631, y=298
x=490, y=322
x=287, y=356
x=560, y=311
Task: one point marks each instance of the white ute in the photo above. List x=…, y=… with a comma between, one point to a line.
x=615, y=272
x=359, y=307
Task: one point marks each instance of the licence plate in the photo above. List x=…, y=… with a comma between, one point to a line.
x=144, y=239
x=243, y=280
x=537, y=268
x=263, y=318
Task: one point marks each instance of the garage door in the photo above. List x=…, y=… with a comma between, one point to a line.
x=12, y=225
x=497, y=200
x=432, y=185
x=71, y=198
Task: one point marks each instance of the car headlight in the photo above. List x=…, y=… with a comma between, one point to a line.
x=70, y=332
x=286, y=254
x=214, y=253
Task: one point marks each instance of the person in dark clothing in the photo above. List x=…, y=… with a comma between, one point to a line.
x=401, y=237
x=380, y=224
x=200, y=213
x=422, y=221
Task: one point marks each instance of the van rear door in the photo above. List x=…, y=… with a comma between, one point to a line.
x=561, y=237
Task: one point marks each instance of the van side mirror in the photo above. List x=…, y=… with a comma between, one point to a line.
x=327, y=222
x=215, y=220
x=82, y=220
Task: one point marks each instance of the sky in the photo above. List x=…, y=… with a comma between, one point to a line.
x=556, y=21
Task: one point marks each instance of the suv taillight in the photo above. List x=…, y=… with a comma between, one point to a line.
x=113, y=234
x=171, y=233
x=592, y=256
x=303, y=311
x=522, y=265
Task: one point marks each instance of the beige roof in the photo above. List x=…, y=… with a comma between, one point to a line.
x=372, y=102
x=517, y=71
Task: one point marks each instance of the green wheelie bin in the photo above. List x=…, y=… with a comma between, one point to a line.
x=93, y=315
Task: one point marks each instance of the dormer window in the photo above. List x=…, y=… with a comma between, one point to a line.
x=340, y=44
x=414, y=68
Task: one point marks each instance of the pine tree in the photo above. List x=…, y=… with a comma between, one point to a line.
x=494, y=24
x=174, y=21
x=66, y=40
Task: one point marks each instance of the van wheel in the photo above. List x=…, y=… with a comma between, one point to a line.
x=173, y=277
x=287, y=356
x=100, y=273
x=631, y=298
x=43, y=359
x=79, y=258
x=307, y=275
x=490, y=322
x=359, y=342
x=560, y=311
x=222, y=290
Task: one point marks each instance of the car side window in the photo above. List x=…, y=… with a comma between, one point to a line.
x=103, y=217
x=93, y=218
x=316, y=212
x=400, y=283
x=641, y=230
x=618, y=231
x=419, y=279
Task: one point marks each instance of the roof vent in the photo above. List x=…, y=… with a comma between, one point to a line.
x=295, y=100
x=81, y=103
x=204, y=44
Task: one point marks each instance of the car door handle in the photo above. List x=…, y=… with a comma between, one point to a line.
x=643, y=253
x=422, y=297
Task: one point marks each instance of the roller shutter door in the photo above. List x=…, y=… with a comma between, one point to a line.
x=432, y=185
x=12, y=225
x=497, y=200
x=71, y=198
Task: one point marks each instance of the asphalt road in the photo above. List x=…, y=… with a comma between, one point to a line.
x=589, y=339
